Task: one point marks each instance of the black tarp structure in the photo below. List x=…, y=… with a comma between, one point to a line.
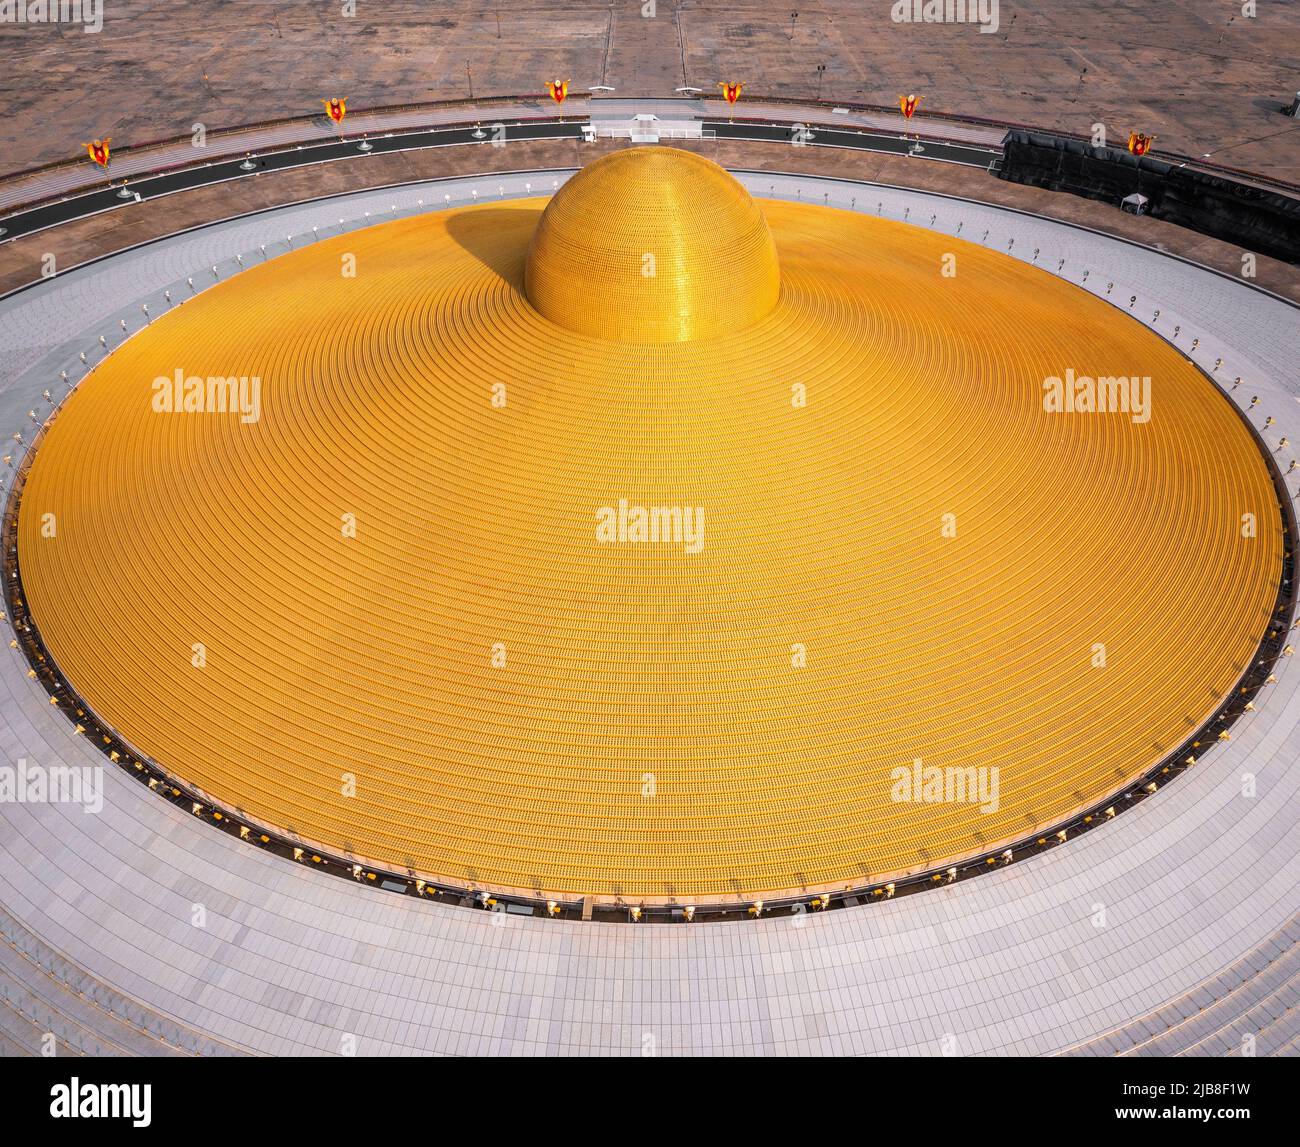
x=1254, y=218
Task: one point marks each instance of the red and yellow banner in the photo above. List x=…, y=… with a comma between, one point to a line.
x=336, y=108
x=558, y=90
x=907, y=105
x=731, y=91
x=1140, y=144
x=98, y=150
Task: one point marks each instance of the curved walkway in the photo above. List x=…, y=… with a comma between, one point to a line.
x=44, y=996
x=1221, y=1016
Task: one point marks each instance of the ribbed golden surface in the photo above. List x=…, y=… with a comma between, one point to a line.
x=652, y=245
x=524, y=705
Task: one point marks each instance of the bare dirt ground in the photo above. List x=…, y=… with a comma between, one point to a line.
x=1198, y=73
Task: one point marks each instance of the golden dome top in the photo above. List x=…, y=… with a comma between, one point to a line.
x=652, y=245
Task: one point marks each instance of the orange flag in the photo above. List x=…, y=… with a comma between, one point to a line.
x=336, y=109
x=731, y=91
x=907, y=104
x=558, y=90
x=99, y=150
x=1140, y=144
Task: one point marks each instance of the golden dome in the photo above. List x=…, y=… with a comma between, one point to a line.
x=652, y=245
x=395, y=568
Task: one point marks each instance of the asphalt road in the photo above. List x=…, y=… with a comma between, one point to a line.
x=106, y=198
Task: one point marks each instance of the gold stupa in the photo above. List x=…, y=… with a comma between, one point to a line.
x=652, y=247
x=535, y=571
